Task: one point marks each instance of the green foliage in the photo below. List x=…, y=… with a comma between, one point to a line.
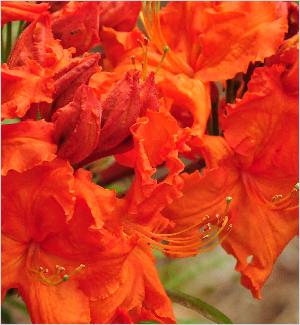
x=208, y=311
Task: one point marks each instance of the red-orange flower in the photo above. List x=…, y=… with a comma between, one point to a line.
x=257, y=165
x=65, y=250
x=200, y=51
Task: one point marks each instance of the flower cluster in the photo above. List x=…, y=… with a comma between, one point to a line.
x=200, y=106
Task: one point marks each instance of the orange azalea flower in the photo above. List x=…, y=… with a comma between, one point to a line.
x=157, y=143
x=74, y=267
x=11, y=10
x=257, y=165
x=26, y=144
x=199, y=51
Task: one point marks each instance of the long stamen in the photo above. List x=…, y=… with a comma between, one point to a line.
x=57, y=277
x=151, y=21
x=166, y=49
x=201, y=236
x=285, y=201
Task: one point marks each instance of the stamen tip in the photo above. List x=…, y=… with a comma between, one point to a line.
x=297, y=186
x=228, y=199
x=166, y=49
x=65, y=278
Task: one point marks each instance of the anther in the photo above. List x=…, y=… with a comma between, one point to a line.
x=228, y=199
x=166, y=49
x=277, y=197
x=146, y=40
x=56, y=278
x=285, y=201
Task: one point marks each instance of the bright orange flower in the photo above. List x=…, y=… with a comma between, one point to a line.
x=218, y=39
x=199, y=50
x=257, y=165
x=64, y=249
x=158, y=140
x=11, y=10
x=26, y=144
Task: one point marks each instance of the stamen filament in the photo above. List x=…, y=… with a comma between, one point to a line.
x=205, y=233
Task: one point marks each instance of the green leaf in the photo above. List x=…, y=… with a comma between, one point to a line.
x=10, y=121
x=199, y=306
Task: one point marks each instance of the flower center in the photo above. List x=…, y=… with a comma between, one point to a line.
x=58, y=276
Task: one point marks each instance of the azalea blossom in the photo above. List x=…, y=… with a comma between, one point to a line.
x=203, y=122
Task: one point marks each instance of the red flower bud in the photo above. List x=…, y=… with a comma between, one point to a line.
x=77, y=126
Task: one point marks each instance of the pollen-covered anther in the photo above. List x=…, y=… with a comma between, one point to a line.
x=285, y=201
x=58, y=276
x=199, y=237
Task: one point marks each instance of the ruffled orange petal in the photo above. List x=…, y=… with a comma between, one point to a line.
x=100, y=201
x=201, y=47
x=37, y=202
x=256, y=126
x=156, y=138
x=260, y=230
x=61, y=304
x=22, y=88
x=26, y=145
x=140, y=290
x=191, y=100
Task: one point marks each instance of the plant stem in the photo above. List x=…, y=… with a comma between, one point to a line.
x=8, y=40
x=199, y=306
x=3, y=47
